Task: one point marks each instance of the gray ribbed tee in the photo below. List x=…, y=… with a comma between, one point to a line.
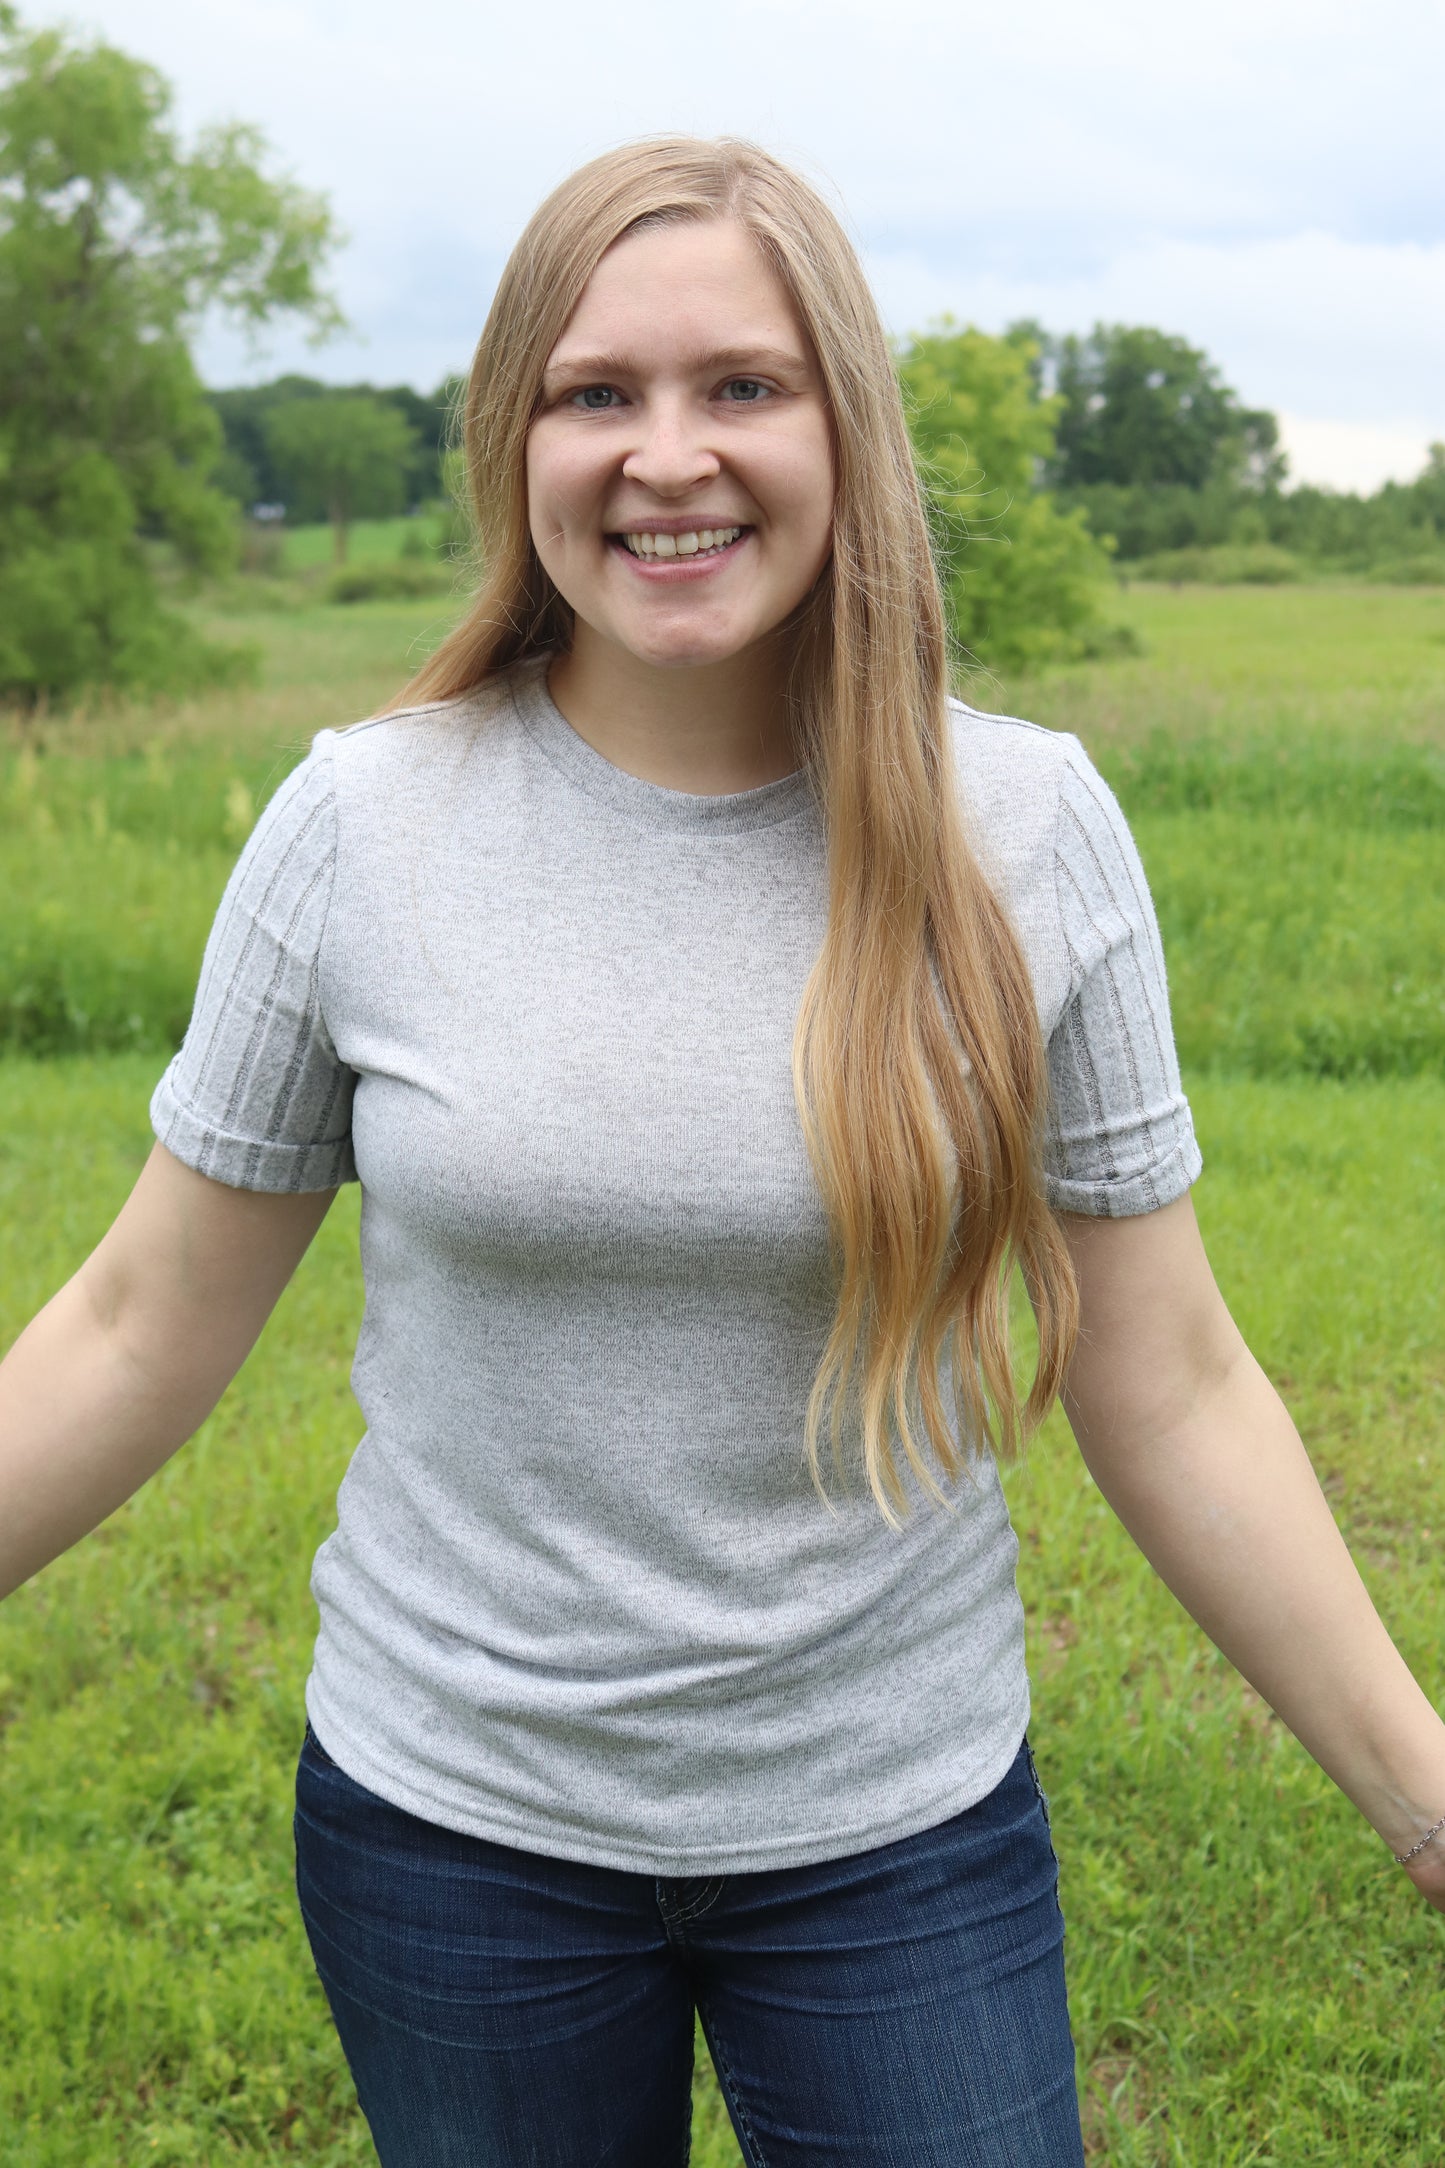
x=582, y=1597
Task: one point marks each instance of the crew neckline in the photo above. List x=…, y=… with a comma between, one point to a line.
x=651, y=804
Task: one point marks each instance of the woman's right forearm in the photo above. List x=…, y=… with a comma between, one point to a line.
x=87, y=1413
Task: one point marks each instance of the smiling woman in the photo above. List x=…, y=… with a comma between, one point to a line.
x=714, y=1013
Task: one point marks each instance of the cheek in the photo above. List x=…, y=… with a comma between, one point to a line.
x=541, y=526
x=809, y=487
x=560, y=489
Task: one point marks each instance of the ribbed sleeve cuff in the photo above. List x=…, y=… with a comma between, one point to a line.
x=246, y=1162
x=1148, y=1191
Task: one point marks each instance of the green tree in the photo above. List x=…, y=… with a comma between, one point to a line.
x=1022, y=579
x=344, y=454
x=114, y=241
x=249, y=473
x=1428, y=490
x=1142, y=409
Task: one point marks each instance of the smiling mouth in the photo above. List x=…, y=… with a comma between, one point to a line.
x=699, y=542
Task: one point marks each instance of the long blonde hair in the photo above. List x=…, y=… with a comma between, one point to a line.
x=917, y=1061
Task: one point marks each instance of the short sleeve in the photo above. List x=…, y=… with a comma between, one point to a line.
x=257, y=1096
x=1120, y=1138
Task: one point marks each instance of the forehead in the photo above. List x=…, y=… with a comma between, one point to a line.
x=683, y=285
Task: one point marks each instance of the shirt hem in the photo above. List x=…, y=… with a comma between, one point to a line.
x=550, y=1840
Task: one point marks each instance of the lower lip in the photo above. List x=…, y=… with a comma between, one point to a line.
x=668, y=571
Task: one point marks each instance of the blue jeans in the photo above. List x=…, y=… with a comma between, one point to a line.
x=901, y=2008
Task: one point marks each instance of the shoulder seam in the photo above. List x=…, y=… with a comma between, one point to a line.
x=399, y=715
x=1011, y=722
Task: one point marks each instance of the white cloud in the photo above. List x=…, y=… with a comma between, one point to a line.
x=1350, y=455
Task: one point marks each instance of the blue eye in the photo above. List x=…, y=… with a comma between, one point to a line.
x=748, y=391
x=594, y=398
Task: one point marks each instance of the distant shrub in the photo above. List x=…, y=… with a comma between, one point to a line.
x=262, y=548
x=1425, y=569
x=1253, y=564
x=1105, y=643
x=388, y=582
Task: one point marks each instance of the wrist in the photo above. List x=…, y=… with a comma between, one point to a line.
x=1433, y=1836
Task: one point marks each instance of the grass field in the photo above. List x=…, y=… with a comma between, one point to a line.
x=1252, y=1982
x=368, y=541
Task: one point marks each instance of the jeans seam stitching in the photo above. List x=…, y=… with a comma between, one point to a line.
x=724, y=2070
x=706, y=1898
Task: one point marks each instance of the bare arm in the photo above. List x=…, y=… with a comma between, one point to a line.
x=132, y=1354
x=1194, y=1450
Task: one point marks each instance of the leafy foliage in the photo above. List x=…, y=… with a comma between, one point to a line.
x=1142, y=408
x=1160, y=455
x=1401, y=522
x=383, y=582
x=1021, y=578
x=251, y=472
x=113, y=240
x=1251, y=564
x=346, y=452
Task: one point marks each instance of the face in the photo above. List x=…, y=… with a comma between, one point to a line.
x=679, y=472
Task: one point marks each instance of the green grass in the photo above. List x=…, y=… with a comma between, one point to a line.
x=1298, y=946
x=1337, y=662
x=1251, y=1980
x=119, y=825
x=368, y=541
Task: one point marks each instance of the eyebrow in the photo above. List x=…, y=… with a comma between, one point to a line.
x=773, y=359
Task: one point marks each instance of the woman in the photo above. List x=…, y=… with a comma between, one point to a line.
x=713, y=1013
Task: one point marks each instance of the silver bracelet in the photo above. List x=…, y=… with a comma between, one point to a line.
x=1403, y=1858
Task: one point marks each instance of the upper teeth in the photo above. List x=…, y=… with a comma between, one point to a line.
x=681, y=545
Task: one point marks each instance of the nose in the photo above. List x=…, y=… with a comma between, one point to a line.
x=671, y=455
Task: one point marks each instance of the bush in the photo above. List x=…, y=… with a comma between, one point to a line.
x=1427, y=569
x=1256, y=564
x=402, y=577
x=1021, y=579
x=82, y=608
x=263, y=548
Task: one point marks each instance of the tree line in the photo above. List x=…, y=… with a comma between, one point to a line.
x=1044, y=457
x=333, y=452
x=1130, y=426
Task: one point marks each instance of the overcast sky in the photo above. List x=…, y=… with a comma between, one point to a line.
x=1266, y=177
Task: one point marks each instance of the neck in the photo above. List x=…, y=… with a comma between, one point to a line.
x=710, y=728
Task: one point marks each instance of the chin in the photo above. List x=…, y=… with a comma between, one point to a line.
x=687, y=652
